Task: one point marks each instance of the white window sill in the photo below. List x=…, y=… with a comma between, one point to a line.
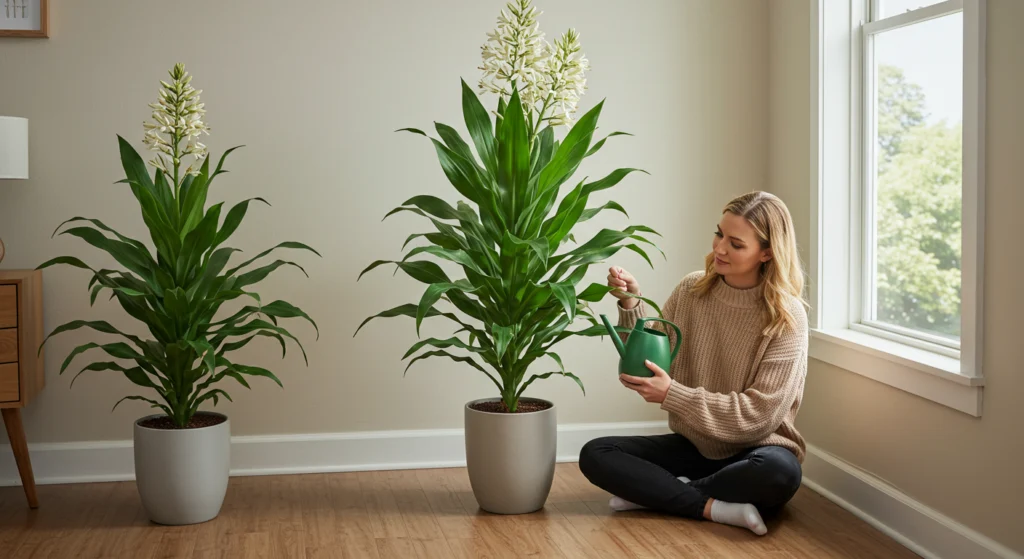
x=928, y=375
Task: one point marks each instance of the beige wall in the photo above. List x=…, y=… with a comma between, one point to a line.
x=315, y=92
x=966, y=468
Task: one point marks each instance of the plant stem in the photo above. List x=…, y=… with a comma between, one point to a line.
x=174, y=161
x=540, y=118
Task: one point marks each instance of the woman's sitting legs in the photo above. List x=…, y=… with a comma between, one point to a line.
x=645, y=471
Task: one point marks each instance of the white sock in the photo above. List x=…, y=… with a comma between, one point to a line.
x=743, y=515
x=620, y=504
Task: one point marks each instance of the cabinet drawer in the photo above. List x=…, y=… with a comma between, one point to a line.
x=9, y=345
x=9, y=383
x=8, y=306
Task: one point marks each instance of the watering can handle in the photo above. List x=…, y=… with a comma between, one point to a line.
x=679, y=334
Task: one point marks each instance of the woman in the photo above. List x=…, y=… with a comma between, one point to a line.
x=735, y=387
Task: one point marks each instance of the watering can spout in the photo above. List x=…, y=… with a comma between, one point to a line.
x=615, y=336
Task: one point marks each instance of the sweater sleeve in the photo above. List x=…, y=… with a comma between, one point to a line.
x=757, y=411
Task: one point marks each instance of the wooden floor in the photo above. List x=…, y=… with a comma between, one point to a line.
x=408, y=514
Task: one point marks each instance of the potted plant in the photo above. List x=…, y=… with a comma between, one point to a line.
x=181, y=453
x=523, y=271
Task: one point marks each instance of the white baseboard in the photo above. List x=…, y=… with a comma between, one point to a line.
x=99, y=461
x=923, y=530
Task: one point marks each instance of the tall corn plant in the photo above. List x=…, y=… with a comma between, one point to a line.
x=177, y=292
x=513, y=240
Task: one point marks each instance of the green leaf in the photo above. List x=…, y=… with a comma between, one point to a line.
x=460, y=257
x=234, y=346
x=414, y=131
x=601, y=142
x=256, y=372
x=205, y=352
x=288, y=244
x=284, y=309
x=136, y=374
x=502, y=338
x=588, y=214
x=539, y=247
x=441, y=344
x=214, y=394
x=408, y=310
x=153, y=404
x=193, y=201
x=432, y=294
x=68, y=260
x=458, y=358
x=641, y=252
x=571, y=151
x=479, y=125
x=545, y=149
x=233, y=220
x=433, y=206
x=100, y=225
x=546, y=375
x=566, y=295
x=460, y=178
x=454, y=142
x=252, y=327
x=120, y=350
x=424, y=271
x=514, y=156
x=98, y=325
x=129, y=256
x=257, y=275
x=220, y=164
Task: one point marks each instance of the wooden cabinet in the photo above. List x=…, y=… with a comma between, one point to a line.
x=22, y=375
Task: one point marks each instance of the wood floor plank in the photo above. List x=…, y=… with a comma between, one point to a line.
x=413, y=548
x=415, y=514
x=385, y=518
x=443, y=498
x=413, y=505
x=352, y=519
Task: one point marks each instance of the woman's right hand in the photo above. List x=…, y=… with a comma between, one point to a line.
x=622, y=282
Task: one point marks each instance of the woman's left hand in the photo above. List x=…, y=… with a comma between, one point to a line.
x=653, y=389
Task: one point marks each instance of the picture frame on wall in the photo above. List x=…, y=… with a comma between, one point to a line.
x=24, y=18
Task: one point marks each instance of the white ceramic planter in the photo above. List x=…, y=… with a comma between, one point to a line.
x=511, y=457
x=182, y=474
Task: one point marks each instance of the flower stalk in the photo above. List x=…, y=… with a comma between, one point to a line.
x=177, y=123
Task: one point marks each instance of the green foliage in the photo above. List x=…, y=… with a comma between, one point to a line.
x=521, y=291
x=177, y=292
x=900, y=108
x=918, y=218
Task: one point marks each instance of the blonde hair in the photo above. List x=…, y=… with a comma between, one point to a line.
x=782, y=275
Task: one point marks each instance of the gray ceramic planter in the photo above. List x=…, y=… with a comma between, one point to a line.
x=182, y=474
x=511, y=457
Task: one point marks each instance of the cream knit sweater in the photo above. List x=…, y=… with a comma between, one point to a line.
x=732, y=387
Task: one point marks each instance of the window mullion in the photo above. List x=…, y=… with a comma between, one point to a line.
x=912, y=17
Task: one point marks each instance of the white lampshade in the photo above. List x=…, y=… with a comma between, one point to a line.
x=13, y=147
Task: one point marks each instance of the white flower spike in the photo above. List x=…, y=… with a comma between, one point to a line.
x=549, y=78
x=177, y=115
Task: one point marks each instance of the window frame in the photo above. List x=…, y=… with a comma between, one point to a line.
x=842, y=141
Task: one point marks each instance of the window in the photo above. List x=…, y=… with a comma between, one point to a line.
x=898, y=178
x=913, y=179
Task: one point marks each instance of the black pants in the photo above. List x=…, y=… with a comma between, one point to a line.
x=643, y=470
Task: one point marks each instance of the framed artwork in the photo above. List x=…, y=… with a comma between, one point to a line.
x=23, y=18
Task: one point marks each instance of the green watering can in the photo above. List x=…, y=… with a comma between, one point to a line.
x=643, y=344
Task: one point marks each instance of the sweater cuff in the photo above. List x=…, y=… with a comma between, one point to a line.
x=678, y=399
x=628, y=317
